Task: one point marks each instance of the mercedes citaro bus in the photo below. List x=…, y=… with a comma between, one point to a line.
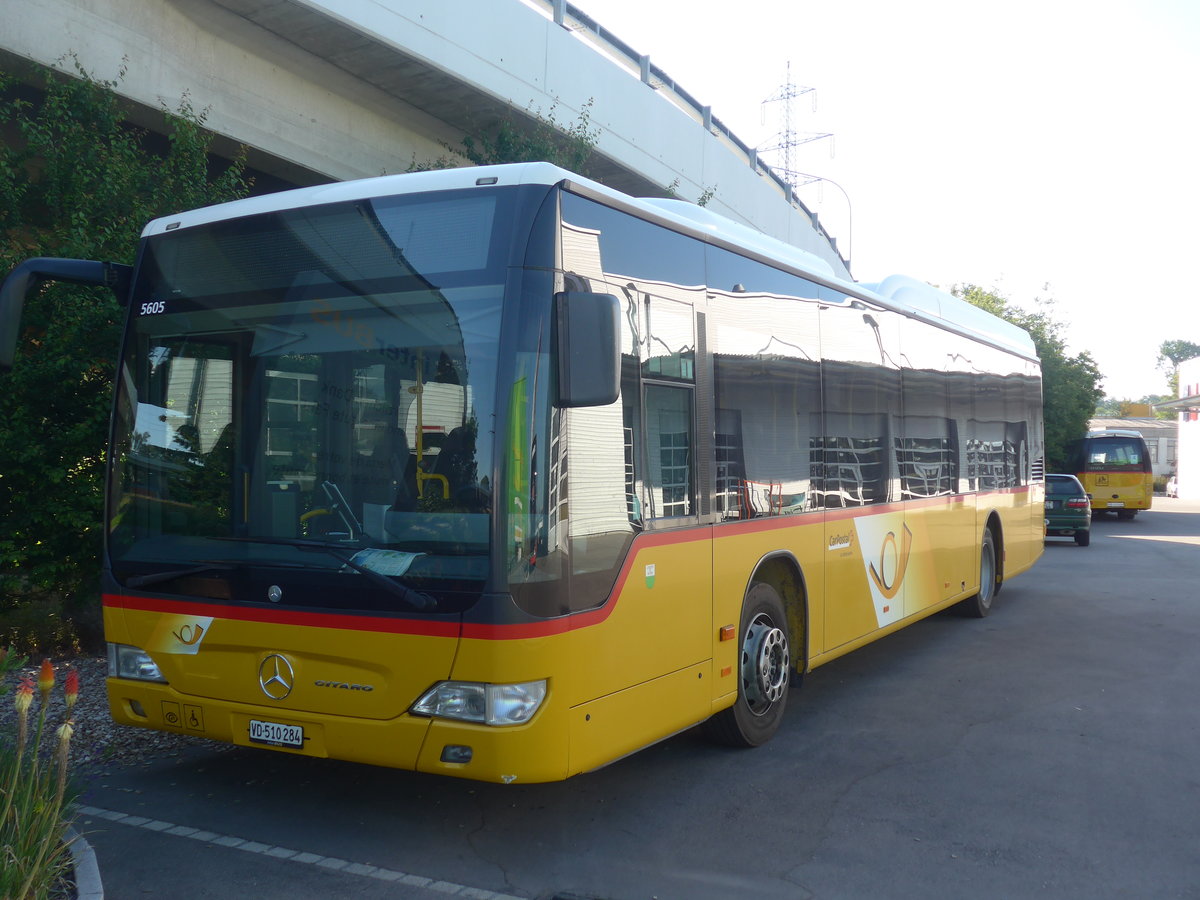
x=502, y=474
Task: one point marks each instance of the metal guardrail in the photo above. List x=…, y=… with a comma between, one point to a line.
x=570, y=16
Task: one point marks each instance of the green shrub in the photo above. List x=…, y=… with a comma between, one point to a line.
x=76, y=181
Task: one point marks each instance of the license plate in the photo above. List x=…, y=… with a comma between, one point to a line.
x=1052, y=504
x=276, y=734
x=1116, y=505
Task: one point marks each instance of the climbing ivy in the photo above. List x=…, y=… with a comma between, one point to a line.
x=76, y=180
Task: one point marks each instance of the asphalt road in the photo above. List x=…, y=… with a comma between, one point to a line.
x=1050, y=750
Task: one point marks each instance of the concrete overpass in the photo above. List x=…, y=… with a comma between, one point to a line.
x=323, y=90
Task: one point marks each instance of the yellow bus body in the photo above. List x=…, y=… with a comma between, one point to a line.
x=657, y=658
x=1115, y=491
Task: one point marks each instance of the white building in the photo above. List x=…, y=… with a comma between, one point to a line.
x=1188, y=408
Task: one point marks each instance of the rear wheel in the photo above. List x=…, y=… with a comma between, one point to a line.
x=1083, y=538
x=764, y=672
x=981, y=604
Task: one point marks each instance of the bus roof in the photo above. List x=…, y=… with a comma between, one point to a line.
x=901, y=293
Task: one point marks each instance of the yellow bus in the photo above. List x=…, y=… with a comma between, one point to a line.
x=499, y=473
x=1115, y=469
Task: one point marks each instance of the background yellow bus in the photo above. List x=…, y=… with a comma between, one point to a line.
x=501, y=474
x=1115, y=468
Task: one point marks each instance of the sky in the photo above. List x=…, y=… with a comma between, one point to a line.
x=1048, y=150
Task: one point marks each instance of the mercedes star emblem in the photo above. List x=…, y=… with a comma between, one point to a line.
x=275, y=677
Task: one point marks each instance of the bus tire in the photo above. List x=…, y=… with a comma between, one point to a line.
x=980, y=605
x=764, y=673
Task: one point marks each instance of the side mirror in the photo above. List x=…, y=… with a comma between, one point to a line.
x=588, y=329
x=32, y=272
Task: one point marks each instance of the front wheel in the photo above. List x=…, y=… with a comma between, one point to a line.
x=764, y=672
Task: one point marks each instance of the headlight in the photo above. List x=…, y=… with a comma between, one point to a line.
x=132, y=662
x=490, y=704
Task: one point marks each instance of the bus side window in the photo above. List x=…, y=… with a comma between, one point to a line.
x=766, y=349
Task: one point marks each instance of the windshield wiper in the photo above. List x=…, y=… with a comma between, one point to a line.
x=138, y=581
x=416, y=599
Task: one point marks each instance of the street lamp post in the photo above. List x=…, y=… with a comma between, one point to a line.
x=811, y=179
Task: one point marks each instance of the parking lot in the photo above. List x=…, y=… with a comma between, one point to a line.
x=1048, y=750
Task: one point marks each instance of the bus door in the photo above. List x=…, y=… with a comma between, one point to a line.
x=639, y=555
x=651, y=454
x=939, y=513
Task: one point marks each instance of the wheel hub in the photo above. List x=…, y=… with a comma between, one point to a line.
x=765, y=664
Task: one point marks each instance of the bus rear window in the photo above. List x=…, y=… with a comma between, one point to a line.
x=1114, y=454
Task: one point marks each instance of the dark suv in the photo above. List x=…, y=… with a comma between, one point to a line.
x=1068, y=509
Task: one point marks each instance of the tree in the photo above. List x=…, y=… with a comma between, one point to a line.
x=532, y=137
x=542, y=139
x=78, y=182
x=1070, y=384
x=1170, y=355
x=1176, y=352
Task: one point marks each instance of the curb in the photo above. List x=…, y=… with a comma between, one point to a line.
x=87, y=870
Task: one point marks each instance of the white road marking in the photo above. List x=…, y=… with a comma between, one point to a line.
x=312, y=859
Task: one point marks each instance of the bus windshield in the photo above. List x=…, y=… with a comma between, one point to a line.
x=319, y=379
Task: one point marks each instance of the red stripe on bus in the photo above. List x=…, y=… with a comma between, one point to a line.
x=395, y=625
x=515, y=631
x=283, y=617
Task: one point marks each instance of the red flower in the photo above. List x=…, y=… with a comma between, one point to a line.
x=46, y=679
x=72, y=687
